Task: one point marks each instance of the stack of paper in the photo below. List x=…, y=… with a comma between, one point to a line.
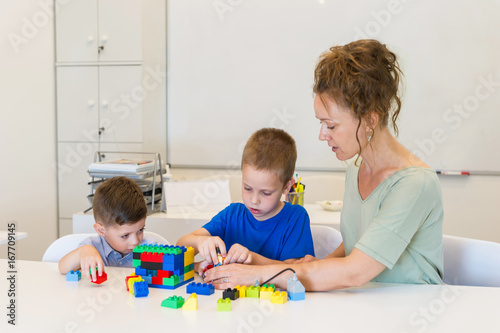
x=123, y=165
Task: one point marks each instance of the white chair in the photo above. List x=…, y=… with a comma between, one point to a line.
x=323, y=187
x=64, y=245
x=325, y=240
x=471, y=262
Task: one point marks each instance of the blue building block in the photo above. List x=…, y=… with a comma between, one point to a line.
x=140, y=271
x=141, y=289
x=295, y=289
x=297, y=296
x=200, y=288
x=74, y=276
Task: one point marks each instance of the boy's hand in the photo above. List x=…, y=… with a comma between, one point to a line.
x=206, y=248
x=89, y=260
x=238, y=254
x=199, y=267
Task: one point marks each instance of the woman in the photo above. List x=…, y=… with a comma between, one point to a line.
x=392, y=216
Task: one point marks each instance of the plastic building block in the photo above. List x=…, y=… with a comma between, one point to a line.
x=200, y=288
x=173, y=302
x=191, y=303
x=253, y=292
x=242, y=290
x=99, y=279
x=129, y=277
x=223, y=304
x=130, y=282
x=74, y=276
x=279, y=297
x=270, y=287
x=295, y=289
x=266, y=292
x=232, y=294
x=141, y=289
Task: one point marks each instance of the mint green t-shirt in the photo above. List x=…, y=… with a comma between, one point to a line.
x=400, y=224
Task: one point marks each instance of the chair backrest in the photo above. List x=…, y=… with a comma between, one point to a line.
x=64, y=245
x=471, y=262
x=323, y=187
x=325, y=240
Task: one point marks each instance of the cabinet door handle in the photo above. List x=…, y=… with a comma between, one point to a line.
x=91, y=103
x=90, y=39
x=104, y=104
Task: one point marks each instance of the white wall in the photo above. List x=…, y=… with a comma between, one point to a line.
x=470, y=204
x=27, y=126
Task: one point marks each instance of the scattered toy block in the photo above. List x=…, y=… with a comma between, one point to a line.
x=266, y=292
x=279, y=297
x=99, y=279
x=129, y=277
x=295, y=289
x=242, y=290
x=191, y=303
x=232, y=294
x=224, y=304
x=253, y=292
x=200, y=288
x=173, y=302
x=74, y=276
x=131, y=281
x=141, y=289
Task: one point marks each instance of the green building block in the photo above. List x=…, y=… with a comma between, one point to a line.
x=174, y=302
x=253, y=292
x=223, y=304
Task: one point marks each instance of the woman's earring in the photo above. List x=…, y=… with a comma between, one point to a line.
x=369, y=137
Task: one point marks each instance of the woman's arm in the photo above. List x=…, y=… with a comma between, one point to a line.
x=330, y=273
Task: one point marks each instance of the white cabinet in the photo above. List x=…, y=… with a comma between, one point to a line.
x=99, y=30
x=99, y=103
x=111, y=88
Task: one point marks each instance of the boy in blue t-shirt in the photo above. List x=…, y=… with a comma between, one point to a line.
x=263, y=229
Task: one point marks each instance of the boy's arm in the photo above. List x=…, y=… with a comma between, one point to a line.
x=85, y=257
x=204, y=243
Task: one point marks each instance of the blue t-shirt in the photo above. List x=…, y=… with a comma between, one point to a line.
x=286, y=235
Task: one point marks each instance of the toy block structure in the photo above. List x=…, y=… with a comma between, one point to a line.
x=173, y=302
x=253, y=292
x=224, y=304
x=279, y=297
x=200, y=288
x=164, y=266
x=242, y=290
x=232, y=294
x=130, y=281
x=74, y=276
x=99, y=279
x=191, y=303
x=141, y=289
x=295, y=289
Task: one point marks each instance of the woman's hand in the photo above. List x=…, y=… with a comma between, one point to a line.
x=238, y=254
x=307, y=258
x=229, y=276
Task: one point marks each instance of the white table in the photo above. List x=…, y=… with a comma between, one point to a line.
x=47, y=303
x=4, y=236
x=174, y=226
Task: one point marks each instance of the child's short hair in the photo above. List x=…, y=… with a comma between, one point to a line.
x=273, y=150
x=119, y=201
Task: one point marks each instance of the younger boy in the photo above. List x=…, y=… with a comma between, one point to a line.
x=263, y=229
x=120, y=213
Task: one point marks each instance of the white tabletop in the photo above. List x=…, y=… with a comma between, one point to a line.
x=45, y=302
x=4, y=236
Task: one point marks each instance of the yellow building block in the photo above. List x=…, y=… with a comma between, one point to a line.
x=279, y=297
x=191, y=303
x=189, y=256
x=131, y=282
x=188, y=275
x=242, y=290
x=266, y=292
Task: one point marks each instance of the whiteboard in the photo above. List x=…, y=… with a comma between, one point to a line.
x=237, y=66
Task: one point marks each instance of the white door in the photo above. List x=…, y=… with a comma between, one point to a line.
x=121, y=96
x=120, y=30
x=76, y=31
x=77, y=104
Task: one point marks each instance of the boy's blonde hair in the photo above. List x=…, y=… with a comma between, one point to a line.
x=273, y=150
x=119, y=201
